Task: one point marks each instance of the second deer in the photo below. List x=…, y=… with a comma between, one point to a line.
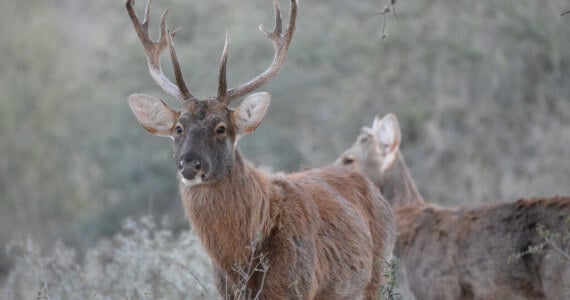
x=464, y=252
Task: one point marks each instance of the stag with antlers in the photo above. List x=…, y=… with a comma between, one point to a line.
x=317, y=234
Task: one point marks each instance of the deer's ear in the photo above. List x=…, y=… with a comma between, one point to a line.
x=153, y=114
x=387, y=130
x=250, y=112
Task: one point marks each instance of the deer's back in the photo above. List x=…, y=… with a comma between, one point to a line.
x=472, y=251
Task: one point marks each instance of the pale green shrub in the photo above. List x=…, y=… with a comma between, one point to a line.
x=389, y=290
x=142, y=261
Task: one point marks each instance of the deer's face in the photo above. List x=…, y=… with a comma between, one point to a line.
x=205, y=132
x=375, y=149
x=204, y=138
x=363, y=155
x=361, y=150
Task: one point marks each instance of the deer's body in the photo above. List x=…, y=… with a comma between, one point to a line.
x=466, y=252
x=319, y=230
x=321, y=234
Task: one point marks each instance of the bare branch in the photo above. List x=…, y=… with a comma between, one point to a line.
x=185, y=268
x=390, y=7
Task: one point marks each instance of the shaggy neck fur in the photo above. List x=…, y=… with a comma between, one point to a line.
x=397, y=185
x=231, y=214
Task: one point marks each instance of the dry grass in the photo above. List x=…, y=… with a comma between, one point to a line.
x=142, y=261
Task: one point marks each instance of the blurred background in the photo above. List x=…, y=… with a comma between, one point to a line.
x=481, y=88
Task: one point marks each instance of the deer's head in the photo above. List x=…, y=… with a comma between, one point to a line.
x=205, y=131
x=375, y=149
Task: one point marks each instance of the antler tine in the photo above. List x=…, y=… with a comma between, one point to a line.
x=222, y=83
x=281, y=44
x=154, y=49
x=177, y=71
x=278, y=21
x=146, y=20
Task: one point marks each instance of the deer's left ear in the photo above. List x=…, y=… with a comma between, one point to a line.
x=387, y=130
x=250, y=112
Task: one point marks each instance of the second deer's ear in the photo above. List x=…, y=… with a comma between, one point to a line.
x=153, y=114
x=250, y=112
x=387, y=131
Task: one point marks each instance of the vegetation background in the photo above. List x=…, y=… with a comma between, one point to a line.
x=481, y=88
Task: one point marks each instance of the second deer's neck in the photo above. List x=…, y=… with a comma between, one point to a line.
x=231, y=214
x=397, y=185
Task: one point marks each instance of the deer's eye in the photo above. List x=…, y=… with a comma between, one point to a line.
x=348, y=161
x=179, y=130
x=221, y=129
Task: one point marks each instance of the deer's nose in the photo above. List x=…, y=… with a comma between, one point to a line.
x=189, y=167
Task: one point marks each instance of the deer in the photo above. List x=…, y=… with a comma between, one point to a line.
x=464, y=252
x=317, y=234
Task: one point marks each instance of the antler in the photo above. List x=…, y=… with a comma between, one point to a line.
x=154, y=49
x=281, y=42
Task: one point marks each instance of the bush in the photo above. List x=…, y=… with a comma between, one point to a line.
x=142, y=261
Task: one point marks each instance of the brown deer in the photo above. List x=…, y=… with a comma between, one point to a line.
x=318, y=234
x=462, y=252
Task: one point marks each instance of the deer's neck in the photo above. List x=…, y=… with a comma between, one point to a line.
x=397, y=185
x=231, y=214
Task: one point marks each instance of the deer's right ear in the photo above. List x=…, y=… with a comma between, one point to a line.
x=387, y=130
x=250, y=112
x=153, y=114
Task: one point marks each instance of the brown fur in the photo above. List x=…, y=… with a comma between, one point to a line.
x=320, y=234
x=325, y=232
x=463, y=252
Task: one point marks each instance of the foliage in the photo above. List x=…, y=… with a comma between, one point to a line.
x=388, y=291
x=142, y=261
x=557, y=239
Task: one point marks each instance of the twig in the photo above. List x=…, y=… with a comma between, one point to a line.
x=565, y=13
x=226, y=283
x=183, y=267
x=263, y=273
x=551, y=239
x=41, y=292
x=127, y=290
x=551, y=243
x=390, y=7
x=252, y=267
